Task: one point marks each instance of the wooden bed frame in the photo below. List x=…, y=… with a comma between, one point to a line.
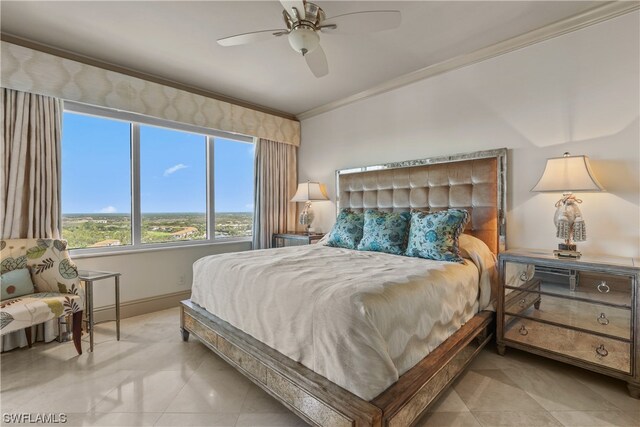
x=320, y=402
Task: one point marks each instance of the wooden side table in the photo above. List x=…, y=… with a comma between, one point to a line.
x=293, y=238
x=88, y=277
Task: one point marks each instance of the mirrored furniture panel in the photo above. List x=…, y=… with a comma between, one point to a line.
x=295, y=238
x=579, y=311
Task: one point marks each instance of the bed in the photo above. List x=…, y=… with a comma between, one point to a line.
x=346, y=345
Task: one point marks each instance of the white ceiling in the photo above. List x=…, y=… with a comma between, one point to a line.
x=176, y=41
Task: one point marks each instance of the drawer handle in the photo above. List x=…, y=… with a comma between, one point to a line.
x=525, y=277
x=602, y=352
x=523, y=302
x=603, y=288
x=523, y=330
x=602, y=319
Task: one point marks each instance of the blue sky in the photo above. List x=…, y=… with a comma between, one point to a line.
x=96, y=171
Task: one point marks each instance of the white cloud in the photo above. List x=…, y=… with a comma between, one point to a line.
x=108, y=209
x=249, y=206
x=174, y=169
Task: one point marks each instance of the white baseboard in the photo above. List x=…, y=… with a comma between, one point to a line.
x=141, y=306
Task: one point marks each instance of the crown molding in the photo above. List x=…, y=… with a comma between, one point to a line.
x=62, y=53
x=558, y=28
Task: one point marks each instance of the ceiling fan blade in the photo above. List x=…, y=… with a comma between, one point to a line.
x=290, y=4
x=317, y=62
x=252, y=37
x=362, y=22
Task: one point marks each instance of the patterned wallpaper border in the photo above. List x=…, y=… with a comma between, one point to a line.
x=33, y=71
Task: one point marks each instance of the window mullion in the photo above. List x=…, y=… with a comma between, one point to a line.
x=136, y=216
x=211, y=215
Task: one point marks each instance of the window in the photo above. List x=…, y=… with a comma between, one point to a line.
x=233, y=188
x=96, y=181
x=173, y=185
x=133, y=181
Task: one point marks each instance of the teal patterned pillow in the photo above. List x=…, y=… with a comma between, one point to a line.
x=435, y=235
x=16, y=283
x=347, y=231
x=384, y=231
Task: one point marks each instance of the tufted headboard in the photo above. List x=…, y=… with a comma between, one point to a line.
x=473, y=181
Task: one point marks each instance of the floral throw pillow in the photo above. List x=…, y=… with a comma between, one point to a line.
x=347, y=231
x=435, y=235
x=384, y=231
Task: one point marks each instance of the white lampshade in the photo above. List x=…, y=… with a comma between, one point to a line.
x=304, y=39
x=310, y=192
x=567, y=174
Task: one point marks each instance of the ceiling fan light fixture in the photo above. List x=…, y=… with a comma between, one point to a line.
x=304, y=39
x=304, y=21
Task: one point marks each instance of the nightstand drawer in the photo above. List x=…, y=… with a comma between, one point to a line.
x=517, y=301
x=607, y=288
x=589, y=316
x=586, y=347
x=293, y=238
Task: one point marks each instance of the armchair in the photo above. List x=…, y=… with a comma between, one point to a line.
x=57, y=287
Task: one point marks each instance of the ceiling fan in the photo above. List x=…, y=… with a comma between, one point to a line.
x=304, y=21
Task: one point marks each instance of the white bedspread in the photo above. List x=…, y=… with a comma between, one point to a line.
x=360, y=319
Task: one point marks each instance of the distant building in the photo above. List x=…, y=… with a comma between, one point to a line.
x=104, y=243
x=184, y=233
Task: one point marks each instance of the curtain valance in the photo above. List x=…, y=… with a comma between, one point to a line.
x=30, y=70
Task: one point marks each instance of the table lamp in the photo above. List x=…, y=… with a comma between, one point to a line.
x=566, y=175
x=309, y=192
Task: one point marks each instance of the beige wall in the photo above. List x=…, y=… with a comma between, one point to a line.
x=577, y=93
x=150, y=273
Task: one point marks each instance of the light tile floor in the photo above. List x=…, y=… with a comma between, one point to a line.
x=151, y=377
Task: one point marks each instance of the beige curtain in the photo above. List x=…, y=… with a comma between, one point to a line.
x=275, y=185
x=30, y=165
x=31, y=132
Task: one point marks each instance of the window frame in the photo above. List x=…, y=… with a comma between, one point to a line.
x=135, y=121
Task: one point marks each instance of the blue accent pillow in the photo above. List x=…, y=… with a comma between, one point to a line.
x=16, y=283
x=385, y=231
x=347, y=231
x=435, y=235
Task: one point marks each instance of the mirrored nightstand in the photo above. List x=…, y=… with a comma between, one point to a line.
x=293, y=238
x=584, y=312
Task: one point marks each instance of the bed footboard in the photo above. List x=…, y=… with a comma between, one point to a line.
x=309, y=395
x=404, y=403
x=320, y=402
